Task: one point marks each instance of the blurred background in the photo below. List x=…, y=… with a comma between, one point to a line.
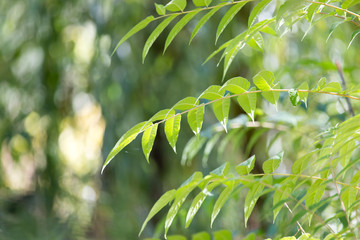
x=65, y=101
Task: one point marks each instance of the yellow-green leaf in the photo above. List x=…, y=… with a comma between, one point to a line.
x=148, y=140
x=172, y=128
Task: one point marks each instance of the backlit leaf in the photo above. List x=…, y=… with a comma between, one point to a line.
x=221, y=110
x=172, y=128
x=225, y=194
x=236, y=85
x=270, y=165
x=246, y=167
x=125, y=139
x=148, y=140
x=248, y=103
x=264, y=80
x=202, y=3
x=155, y=34
x=176, y=29
x=257, y=9
x=160, y=9
x=195, y=119
x=230, y=14
x=256, y=42
x=176, y=5
x=203, y=20
x=141, y=25
x=162, y=202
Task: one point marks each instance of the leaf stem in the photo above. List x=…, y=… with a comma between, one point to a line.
x=335, y=7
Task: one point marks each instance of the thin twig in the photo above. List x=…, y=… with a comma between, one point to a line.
x=335, y=7
x=292, y=214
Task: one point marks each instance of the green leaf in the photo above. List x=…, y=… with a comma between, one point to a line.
x=251, y=199
x=161, y=115
x=176, y=237
x=225, y=194
x=248, y=103
x=236, y=85
x=221, y=110
x=160, y=9
x=270, y=165
x=348, y=197
x=172, y=128
x=303, y=95
x=162, y=202
x=281, y=194
x=229, y=15
x=345, y=153
x=349, y=3
x=185, y=104
x=198, y=201
x=331, y=87
x=246, y=167
x=195, y=119
x=192, y=148
x=257, y=9
x=180, y=25
x=231, y=51
x=125, y=140
x=294, y=97
x=321, y=83
x=202, y=3
x=141, y=25
x=353, y=36
x=264, y=80
x=176, y=5
x=222, y=170
x=301, y=164
x=155, y=34
x=250, y=236
x=203, y=20
x=208, y=148
x=201, y=236
x=257, y=42
x=181, y=195
x=148, y=140
x=332, y=28
x=314, y=193
x=222, y=235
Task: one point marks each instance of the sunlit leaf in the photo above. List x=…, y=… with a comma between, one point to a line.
x=248, y=102
x=185, y=104
x=172, y=128
x=176, y=5
x=201, y=3
x=203, y=20
x=256, y=42
x=148, y=140
x=331, y=87
x=222, y=170
x=141, y=25
x=221, y=110
x=264, y=80
x=349, y=3
x=180, y=196
x=201, y=236
x=155, y=34
x=236, y=85
x=246, y=167
x=222, y=235
x=198, y=201
x=270, y=165
x=160, y=9
x=225, y=194
x=177, y=28
x=162, y=202
x=257, y=9
x=195, y=119
x=125, y=139
x=229, y=15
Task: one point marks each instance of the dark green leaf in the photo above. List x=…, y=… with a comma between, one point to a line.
x=294, y=97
